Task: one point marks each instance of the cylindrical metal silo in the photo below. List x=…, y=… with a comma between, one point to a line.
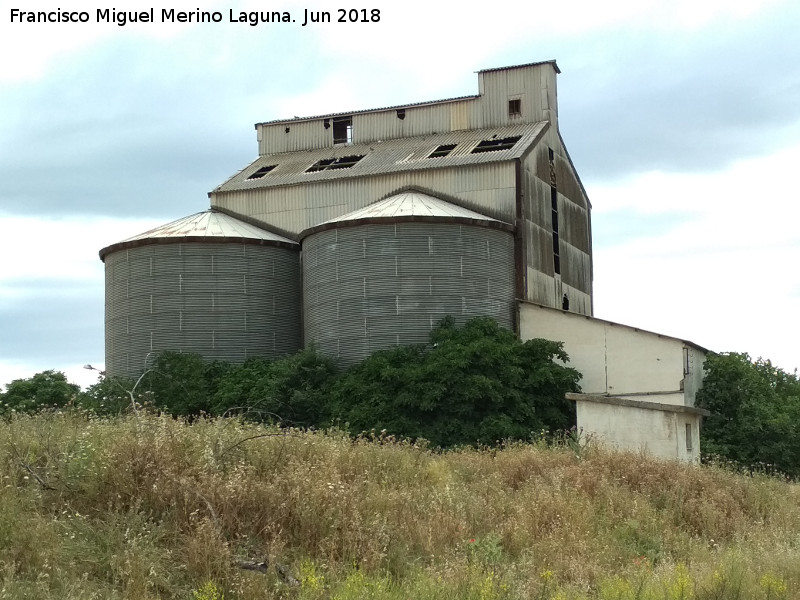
x=208, y=284
x=385, y=275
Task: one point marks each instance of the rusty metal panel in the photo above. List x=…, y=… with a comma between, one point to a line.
x=568, y=182
x=574, y=224
x=369, y=287
x=575, y=268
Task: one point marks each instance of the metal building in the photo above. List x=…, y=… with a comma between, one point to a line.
x=498, y=153
x=385, y=275
x=208, y=284
x=474, y=197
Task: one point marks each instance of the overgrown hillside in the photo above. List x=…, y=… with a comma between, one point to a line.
x=152, y=507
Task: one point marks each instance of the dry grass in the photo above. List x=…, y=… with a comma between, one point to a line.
x=156, y=508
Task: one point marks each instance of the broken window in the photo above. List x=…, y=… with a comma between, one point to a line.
x=515, y=107
x=261, y=172
x=328, y=164
x=343, y=130
x=494, y=144
x=443, y=150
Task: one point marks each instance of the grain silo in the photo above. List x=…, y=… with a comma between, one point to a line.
x=208, y=284
x=385, y=275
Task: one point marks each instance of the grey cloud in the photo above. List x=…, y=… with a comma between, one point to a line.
x=130, y=132
x=53, y=323
x=685, y=103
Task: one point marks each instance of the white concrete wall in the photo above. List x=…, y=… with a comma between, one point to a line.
x=617, y=359
x=658, y=433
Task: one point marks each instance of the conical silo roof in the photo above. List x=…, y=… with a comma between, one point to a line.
x=206, y=226
x=406, y=206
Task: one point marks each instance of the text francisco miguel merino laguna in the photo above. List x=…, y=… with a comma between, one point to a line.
x=170, y=15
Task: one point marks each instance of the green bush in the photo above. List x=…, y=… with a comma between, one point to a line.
x=291, y=390
x=48, y=389
x=755, y=408
x=183, y=384
x=476, y=384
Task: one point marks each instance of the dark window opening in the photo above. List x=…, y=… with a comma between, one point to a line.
x=550, y=154
x=343, y=130
x=442, y=151
x=687, y=367
x=261, y=172
x=401, y=113
x=328, y=164
x=565, y=302
x=515, y=107
x=496, y=144
x=554, y=223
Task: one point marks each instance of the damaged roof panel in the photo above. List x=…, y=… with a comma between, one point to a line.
x=390, y=156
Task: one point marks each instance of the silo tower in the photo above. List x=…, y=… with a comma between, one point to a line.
x=209, y=284
x=385, y=275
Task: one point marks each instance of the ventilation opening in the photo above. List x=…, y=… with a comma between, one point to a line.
x=343, y=130
x=328, y=164
x=554, y=223
x=496, y=144
x=689, y=438
x=687, y=367
x=442, y=151
x=261, y=172
x=515, y=107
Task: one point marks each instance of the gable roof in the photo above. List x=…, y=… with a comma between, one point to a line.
x=390, y=156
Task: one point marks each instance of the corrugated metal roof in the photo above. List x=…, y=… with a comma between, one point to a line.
x=366, y=110
x=390, y=156
x=407, y=206
x=209, y=224
x=410, y=203
x=206, y=226
x=523, y=66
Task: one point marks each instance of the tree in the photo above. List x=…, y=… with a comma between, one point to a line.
x=183, y=384
x=755, y=410
x=48, y=389
x=476, y=384
x=291, y=389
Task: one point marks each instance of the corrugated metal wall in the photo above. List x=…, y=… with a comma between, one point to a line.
x=575, y=277
x=534, y=85
x=372, y=287
x=485, y=188
x=223, y=301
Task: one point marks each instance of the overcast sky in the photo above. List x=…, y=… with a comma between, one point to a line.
x=681, y=116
